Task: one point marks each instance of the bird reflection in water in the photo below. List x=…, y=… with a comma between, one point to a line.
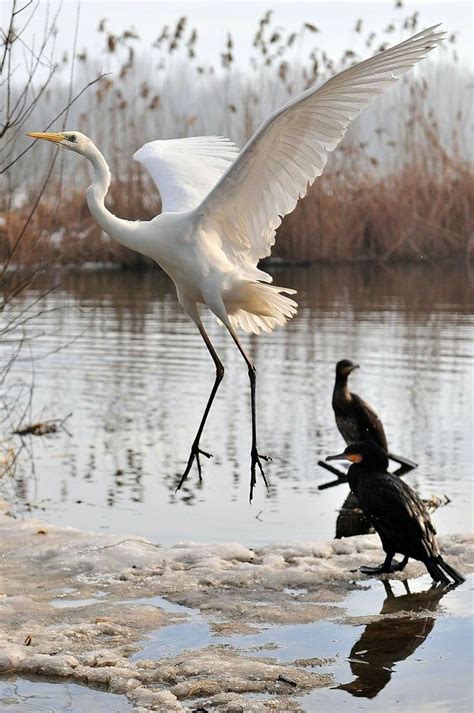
x=351, y=520
x=384, y=643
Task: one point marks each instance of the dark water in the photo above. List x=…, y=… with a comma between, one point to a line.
x=135, y=375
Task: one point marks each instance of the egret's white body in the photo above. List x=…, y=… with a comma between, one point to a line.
x=221, y=207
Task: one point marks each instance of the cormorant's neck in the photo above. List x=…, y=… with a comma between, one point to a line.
x=353, y=474
x=364, y=468
x=118, y=228
x=341, y=387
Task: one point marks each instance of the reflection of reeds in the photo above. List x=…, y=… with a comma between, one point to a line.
x=398, y=187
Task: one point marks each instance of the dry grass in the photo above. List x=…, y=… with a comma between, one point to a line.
x=399, y=187
x=407, y=215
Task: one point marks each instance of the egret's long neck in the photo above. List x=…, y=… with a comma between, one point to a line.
x=118, y=228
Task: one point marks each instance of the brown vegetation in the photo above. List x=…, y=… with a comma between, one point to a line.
x=406, y=215
x=399, y=187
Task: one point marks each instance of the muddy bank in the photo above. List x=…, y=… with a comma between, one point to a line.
x=159, y=625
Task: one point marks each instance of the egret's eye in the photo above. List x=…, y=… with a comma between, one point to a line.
x=72, y=138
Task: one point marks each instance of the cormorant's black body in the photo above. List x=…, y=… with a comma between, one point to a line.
x=396, y=512
x=355, y=419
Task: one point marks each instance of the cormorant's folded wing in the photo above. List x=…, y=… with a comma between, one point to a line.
x=370, y=422
x=397, y=513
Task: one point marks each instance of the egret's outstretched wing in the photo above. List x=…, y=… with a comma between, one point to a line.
x=290, y=150
x=185, y=170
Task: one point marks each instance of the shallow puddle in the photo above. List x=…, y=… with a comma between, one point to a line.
x=407, y=672
x=417, y=653
x=22, y=695
x=193, y=633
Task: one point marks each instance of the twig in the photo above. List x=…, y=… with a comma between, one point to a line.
x=58, y=116
x=42, y=428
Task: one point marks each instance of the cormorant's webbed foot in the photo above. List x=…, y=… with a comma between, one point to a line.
x=257, y=461
x=386, y=568
x=193, y=456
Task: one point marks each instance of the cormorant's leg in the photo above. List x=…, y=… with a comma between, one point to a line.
x=389, y=565
x=256, y=457
x=399, y=566
x=195, y=450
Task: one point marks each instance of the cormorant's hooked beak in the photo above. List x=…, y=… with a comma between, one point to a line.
x=354, y=366
x=55, y=138
x=353, y=457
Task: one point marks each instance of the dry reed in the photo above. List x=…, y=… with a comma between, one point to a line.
x=399, y=187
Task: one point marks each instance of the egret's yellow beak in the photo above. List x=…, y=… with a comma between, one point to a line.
x=56, y=138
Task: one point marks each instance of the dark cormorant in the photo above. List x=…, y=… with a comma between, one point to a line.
x=396, y=512
x=356, y=420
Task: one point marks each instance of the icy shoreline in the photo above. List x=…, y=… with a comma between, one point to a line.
x=74, y=605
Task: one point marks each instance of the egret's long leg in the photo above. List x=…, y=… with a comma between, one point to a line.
x=195, y=450
x=256, y=457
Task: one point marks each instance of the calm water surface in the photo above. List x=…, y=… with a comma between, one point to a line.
x=135, y=375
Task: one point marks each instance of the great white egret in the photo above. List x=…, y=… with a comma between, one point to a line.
x=221, y=207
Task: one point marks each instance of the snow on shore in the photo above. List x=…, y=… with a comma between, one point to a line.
x=80, y=605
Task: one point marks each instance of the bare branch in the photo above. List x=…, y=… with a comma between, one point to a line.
x=58, y=116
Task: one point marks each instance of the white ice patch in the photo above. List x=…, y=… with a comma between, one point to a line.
x=51, y=578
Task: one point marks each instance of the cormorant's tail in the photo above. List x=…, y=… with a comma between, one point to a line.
x=456, y=576
x=441, y=571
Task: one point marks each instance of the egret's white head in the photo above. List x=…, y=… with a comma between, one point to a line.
x=72, y=140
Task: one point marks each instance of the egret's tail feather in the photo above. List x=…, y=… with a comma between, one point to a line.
x=259, y=307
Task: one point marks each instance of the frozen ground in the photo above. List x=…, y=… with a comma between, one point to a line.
x=180, y=628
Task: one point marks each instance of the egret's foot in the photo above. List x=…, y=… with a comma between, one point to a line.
x=394, y=566
x=257, y=461
x=193, y=456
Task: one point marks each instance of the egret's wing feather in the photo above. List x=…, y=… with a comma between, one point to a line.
x=185, y=170
x=290, y=150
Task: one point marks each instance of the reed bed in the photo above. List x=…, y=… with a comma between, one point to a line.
x=400, y=186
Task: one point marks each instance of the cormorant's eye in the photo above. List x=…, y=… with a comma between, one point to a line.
x=72, y=138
